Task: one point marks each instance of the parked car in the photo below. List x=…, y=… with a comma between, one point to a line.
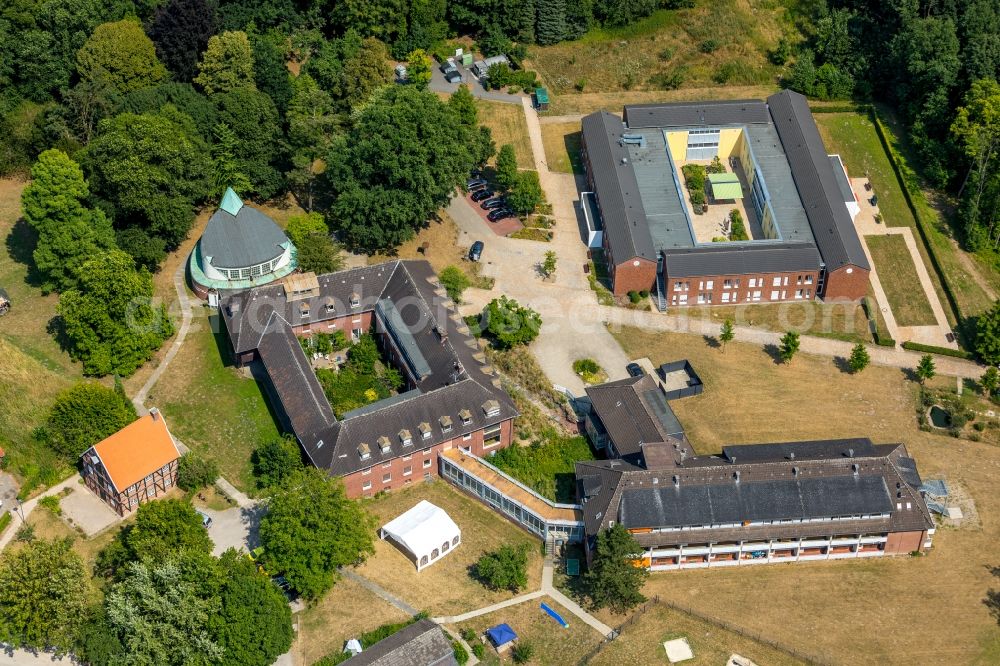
x=496, y=202
x=476, y=182
x=482, y=195
x=634, y=370
x=454, y=76
x=476, y=188
x=448, y=66
x=476, y=251
x=500, y=214
x=206, y=520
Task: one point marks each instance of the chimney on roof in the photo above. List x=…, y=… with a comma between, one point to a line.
x=850, y=453
x=791, y=456
x=795, y=471
x=854, y=468
x=154, y=413
x=736, y=476
x=677, y=481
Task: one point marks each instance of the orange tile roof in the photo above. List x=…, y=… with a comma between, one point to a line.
x=137, y=450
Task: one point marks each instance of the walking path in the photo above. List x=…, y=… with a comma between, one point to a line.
x=453, y=619
x=378, y=591
x=240, y=498
x=29, y=506
x=139, y=398
x=935, y=334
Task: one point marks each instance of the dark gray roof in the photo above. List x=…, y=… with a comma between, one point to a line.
x=242, y=240
x=634, y=411
x=422, y=643
x=458, y=378
x=842, y=182
x=732, y=502
x=616, y=187
x=858, y=447
x=831, y=224
x=724, y=112
x=740, y=258
x=403, y=336
x=292, y=378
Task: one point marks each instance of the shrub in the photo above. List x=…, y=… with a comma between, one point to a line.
x=275, y=460
x=51, y=502
x=194, y=472
x=666, y=54
x=667, y=80
x=738, y=231
x=468, y=635
x=479, y=650
x=522, y=652
x=694, y=176
x=510, y=324
x=589, y=365
x=716, y=166
x=634, y=296
x=698, y=200
x=709, y=46
x=454, y=282
x=580, y=85
x=943, y=351
x=644, y=293
x=461, y=655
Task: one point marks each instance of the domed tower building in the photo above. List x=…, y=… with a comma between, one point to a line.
x=240, y=249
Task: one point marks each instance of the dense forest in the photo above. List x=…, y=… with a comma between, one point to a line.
x=937, y=63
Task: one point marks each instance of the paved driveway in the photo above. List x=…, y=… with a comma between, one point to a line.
x=234, y=528
x=83, y=509
x=438, y=84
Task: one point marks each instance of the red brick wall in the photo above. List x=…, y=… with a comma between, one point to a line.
x=354, y=483
x=699, y=285
x=899, y=543
x=362, y=320
x=847, y=283
x=626, y=276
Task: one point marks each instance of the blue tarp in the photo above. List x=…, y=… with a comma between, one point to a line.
x=501, y=634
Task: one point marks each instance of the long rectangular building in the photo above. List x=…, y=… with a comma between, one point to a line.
x=803, y=243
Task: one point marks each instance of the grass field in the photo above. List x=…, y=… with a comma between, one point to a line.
x=642, y=642
x=899, y=280
x=347, y=611
x=33, y=369
x=721, y=42
x=872, y=611
x=552, y=644
x=447, y=587
x=210, y=406
x=562, y=146
x=508, y=125
x=853, y=136
x=841, y=321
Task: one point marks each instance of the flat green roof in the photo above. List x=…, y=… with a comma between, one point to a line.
x=542, y=95
x=725, y=186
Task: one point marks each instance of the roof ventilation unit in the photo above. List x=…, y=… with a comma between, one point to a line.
x=634, y=140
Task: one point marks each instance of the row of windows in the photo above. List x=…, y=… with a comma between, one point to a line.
x=705, y=298
x=252, y=272
x=757, y=523
x=734, y=283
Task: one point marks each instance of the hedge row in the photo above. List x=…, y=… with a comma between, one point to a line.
x=943, y=351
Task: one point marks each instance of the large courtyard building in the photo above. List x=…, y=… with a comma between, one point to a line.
x=452, y=398
x=794, y=199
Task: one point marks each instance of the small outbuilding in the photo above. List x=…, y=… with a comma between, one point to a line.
x=542, y=99
x=425, y=533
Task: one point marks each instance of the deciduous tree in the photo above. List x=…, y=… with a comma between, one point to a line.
x=194, y=471
x=181, y=30
x=614, y=581
x=506, y=167
x=726, y=333
x=988, y=335
x=83, y=415
x=510, y=324
x=316, y=250
x=260, y=146
x=366, y=71
x=549, y=264
x=121, y=55
x=69, y=233
x=275, y=460
x=419, y=68
x=228, y=172
x=504, y=568
x=311, y=529
x=43, y=594
x=270, y=71
x=109, y=320
x=526, y=195
x=990, y=381
x=227, y=64
x=925, y=368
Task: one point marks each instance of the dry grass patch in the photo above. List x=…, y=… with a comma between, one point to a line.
x=210, y=405
x=864, y=611
x=508, y=125
x=347, y=611
x=552, y=644
x=642, y=642
x=717, y=42
x=562, y=147
x=49, y=526
x=900, y=282
x=446, y=587
x=842, y=321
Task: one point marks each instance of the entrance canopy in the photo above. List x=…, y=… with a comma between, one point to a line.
x=426, y=532
x=725, y=186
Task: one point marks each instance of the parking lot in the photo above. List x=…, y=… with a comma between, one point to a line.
x=234, y=528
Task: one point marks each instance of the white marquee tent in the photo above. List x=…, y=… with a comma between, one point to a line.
x=426, y=532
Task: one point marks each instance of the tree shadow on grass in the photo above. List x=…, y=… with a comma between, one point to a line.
x=774, y=352
x=910, y=374
x=21, y=243
x=711, y=341
x=843, y=364
x=992, y=599
x=56, y=327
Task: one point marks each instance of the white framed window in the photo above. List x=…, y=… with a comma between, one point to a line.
x=408, y=470
x=427, y=463
x=355, y=301
x=387, y=477
x=491, y=437
x=776, y=282
x=710, y=284
x=466, y=438
x=683, y=299
x=465, y=449
x=784, y=282
x=809, y=279
x=367, y=485
x=756, y=295
x=774, y=295
x=725, y=297
x=798, y=293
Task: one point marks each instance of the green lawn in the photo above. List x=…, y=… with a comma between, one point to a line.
x=562, y=147
x=899, y=280
x=853, y=136
x=546, y=466
x=210, y=405
x=714, y=43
